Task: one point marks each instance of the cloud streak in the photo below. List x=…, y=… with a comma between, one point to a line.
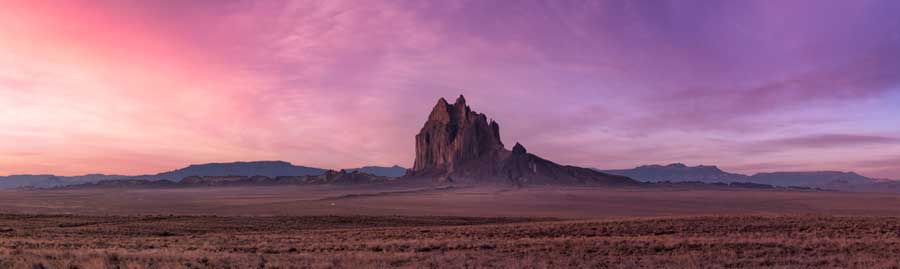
x=832, y=140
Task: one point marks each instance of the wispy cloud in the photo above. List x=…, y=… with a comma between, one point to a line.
x=338, y=84
x=832, y=140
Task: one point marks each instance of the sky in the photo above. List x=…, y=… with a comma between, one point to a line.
x=136, y=87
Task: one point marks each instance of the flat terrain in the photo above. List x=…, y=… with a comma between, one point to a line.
x=449, y=242
x=449, y=227
x=559, y=202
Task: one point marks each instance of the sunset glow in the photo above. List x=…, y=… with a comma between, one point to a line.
x=135, y=87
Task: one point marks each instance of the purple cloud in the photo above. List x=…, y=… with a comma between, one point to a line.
x=830, y=140
x=341, y=84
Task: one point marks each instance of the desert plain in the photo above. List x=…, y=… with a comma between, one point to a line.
x=423, y=226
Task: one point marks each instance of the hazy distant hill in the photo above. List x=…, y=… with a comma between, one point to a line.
x=342, y=177
x=818, y=178
x=247, y=169
x=260, y=168
x=393, y=171
x=680, y=173
x=41, y=181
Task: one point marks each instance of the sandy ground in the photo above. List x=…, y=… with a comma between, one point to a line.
x=559, y=202
x=807, y=241
x=387, y=226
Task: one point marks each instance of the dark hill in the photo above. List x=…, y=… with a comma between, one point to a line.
x=711, y=174
x=260, y=168
x=678, y=172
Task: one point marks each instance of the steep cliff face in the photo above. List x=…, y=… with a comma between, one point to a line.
x=460, y=145
x=453, y=136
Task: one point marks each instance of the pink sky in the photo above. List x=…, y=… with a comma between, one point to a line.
x=135, y=87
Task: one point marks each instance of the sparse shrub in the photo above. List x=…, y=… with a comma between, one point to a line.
x=290, y=242
x=165, y=233
x=113, y=261
x=204, y=261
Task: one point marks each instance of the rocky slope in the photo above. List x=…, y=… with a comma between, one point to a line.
x=457, y=144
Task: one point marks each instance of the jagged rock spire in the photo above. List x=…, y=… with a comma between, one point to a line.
x=454, y=134
x=460, y=101
x=519, y=149
x=440, y=112
x=460, y=145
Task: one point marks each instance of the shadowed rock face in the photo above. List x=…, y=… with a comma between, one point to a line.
x=455, y=135
x=460, y=145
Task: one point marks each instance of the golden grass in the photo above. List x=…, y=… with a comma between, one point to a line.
x=29, y=241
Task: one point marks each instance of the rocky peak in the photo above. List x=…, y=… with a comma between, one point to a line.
x=440, y=112
x=461, y=110
x=461, y=100
x=454, y=134
x=518, y=149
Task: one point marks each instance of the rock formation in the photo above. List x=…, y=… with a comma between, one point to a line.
x=454, y=136
x=460, y=145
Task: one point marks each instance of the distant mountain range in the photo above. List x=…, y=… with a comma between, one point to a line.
x=272, y=169
x=678, y=172
x=675, y=172
x=44, y=181
x=459, y=145
x=260, y=168
x=342, y=177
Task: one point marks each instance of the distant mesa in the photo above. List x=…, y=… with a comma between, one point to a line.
x=209, y=171
x=265, y=168
x=827, y=179
x=332, y=177
x=47, y=181
x=329, y=177
x=678, y=172
x=258, y=168
x=457, y=144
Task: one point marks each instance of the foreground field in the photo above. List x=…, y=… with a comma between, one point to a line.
x=358, y=227
x=28, y=241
